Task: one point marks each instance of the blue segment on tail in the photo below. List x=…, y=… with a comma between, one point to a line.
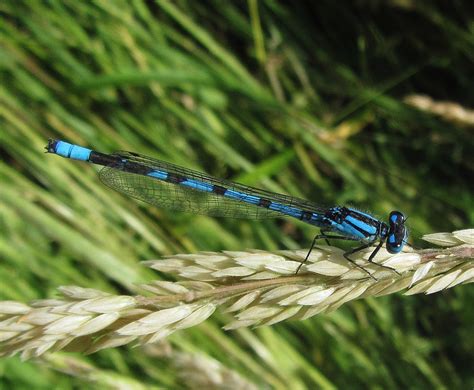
x=284, y=209
x=158, y=175
x=237, y=195
x=197, y=185
x=75, y=152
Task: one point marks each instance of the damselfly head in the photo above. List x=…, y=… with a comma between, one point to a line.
x=397, y=232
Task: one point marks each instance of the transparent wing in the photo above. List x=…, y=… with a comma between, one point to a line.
x=174, y=196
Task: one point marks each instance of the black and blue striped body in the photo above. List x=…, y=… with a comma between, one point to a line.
x=177, y=188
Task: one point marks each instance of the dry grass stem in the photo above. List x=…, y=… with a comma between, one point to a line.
x=196, y=370
x=258, y=288
x=449, y=111
x=96, y=377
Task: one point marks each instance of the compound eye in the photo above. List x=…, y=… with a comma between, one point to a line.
x=396, y=217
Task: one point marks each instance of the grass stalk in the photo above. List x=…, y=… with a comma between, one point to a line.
x=256, y=287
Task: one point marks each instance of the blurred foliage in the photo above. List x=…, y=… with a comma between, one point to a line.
x=304, y=98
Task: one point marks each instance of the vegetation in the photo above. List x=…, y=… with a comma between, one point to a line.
x=314, y=99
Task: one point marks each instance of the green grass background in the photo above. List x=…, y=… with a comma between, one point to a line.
x=304, y=98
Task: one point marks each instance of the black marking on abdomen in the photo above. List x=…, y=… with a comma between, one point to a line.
x=306, y=215
x=174, y=178
x=219, y=190
x=104, y=159
x=133, y=167
x=264, y=203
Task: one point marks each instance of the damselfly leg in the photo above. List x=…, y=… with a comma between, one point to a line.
x=326, y=237
x=323, y=235
x=372, y=255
